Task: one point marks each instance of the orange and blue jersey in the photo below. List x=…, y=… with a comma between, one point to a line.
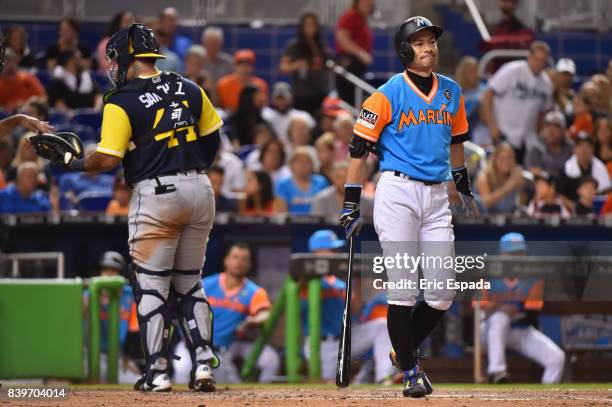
x=126, y=301
x=333, y=291
x=525, y=294
x=375, y=308
x=231, y=307
x=412, y=131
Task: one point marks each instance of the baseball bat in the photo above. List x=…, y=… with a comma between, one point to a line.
x=344, y=347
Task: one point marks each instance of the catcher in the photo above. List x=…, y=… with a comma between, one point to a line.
x=165, y=131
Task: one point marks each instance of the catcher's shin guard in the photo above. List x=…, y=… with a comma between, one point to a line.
x=151, y=296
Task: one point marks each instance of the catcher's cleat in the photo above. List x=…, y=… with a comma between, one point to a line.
x=160, y=383
x=203, y=379
x=414, y=385
x=418, y=357
x=499, y=377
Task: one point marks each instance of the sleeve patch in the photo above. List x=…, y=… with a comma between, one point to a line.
x=367, y=119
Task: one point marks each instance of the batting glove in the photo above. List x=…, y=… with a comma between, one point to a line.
x=462, y=182
x=350, y=218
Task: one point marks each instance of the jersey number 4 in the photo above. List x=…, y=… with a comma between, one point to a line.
x=171, y=135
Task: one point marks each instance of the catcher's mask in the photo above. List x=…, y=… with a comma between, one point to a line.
x=49, y=145
x=134, y=41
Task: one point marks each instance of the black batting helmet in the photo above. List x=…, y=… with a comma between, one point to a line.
x=406, y=30
x=134, y=41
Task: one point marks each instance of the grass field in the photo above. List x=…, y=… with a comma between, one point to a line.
x=300, y=395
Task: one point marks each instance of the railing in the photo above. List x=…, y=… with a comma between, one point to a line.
x=360, y=85
x=17, y=258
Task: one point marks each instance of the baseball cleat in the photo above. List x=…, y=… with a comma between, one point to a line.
x=426, y=381
x=499, y=377
x=203, y=379
x=414, y=385
x=161, y=383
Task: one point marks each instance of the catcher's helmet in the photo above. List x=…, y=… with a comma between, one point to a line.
x=134, y=41
x=406, y=30
x=53, y=146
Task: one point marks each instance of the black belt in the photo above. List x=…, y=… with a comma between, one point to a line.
x=428, y=183
x=161, y=189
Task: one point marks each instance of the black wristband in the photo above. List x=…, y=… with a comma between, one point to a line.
x=352, y=193
x=78, y=164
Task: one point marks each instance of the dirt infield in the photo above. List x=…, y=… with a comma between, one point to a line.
x=317, y=395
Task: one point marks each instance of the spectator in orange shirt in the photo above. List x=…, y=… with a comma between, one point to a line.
x=583, y=119
x=120, y=205
x=16, y=86
x=230, y=86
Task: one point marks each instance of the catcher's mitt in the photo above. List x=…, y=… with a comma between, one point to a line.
x=54, y=146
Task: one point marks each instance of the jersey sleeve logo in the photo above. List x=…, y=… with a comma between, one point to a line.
x=447, y=94
x=367, y=119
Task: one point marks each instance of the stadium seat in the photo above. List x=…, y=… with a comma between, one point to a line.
x=94, y=201
x=44, y=77
x=58, y=116
x=86, y=133
x=87, y=117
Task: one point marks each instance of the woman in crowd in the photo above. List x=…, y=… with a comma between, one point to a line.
x=299, y=133
x=72, y=86
x=272, y=160
x=304, y=59
x=120, y=20
x=259, y=197
x=247, y=116
x=16, y=38
x=326, y=152
x=603, y=140
x=263, y=134
x=500, y=184
x=68, y=41
x=299, y=190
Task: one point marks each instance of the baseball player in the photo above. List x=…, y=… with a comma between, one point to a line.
x=511, y=307
x=27, y=122
x=240, y=308
x=365, y=335
x=165, y=131
x=416, y=123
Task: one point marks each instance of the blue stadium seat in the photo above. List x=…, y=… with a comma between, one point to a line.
x=58, y=116
x=44, y=77
x=95, y=201
x=87, y=117
x=86, y=133
x=102, y=81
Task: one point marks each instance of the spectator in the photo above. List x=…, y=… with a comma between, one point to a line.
x=509, y=33
x=552, y=149
x=16, y=38
x=330, y=110
x=216, y=175
x=354, y=45
x=168, y=24
x=262, y=134
x=603, y=139
x=583, y=118
x=194, y=67
x=72, y=86
x=592, y=94
x=217, y=63
x=500, y=184
x=247, y=116
x=122, y=194
x=581, y=164
x=472, y=89
x=280, y=112
x=22, y=196
x=16, y=86
x=564, y=80
x=343, y=129
x=172, y=62
x=330, y=200
x=602, y=104
x=546, y=201
x=518, y=96
x=272, y=160
x=68, y=40
x=259, y=197
x=587, y=190
x=26, y=153
x=299, y=133
x=326, y=154
x=299, y=190
x=229, y=87
x=37, y=109
x=120, y=20
x=304, y=59
x=234, y=177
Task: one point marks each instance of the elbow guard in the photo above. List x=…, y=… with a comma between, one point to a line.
x=360, y=147
x=211, y=143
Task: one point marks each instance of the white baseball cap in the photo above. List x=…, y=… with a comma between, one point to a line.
x=555, y=117
x=566, y=65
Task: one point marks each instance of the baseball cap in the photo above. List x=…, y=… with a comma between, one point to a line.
x=244, y=55
x=544, y=176
x=331, y=107
x=583, y=137
x=512, y=242
x=555, y=117
x=113, y=260
x=566, y=65
x=324, y=239
x=282, y=89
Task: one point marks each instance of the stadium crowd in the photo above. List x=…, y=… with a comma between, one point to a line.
x=542, y=140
